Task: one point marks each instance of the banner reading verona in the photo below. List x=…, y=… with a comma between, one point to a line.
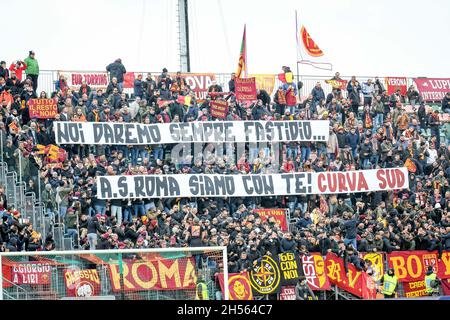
x=215, y=185
x=67, y=132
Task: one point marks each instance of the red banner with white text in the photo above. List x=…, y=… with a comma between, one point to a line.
x=396, y=83
x=43, y=108
x=245, y=89
x=219, y=109
x=432, y=89
x=315, y=272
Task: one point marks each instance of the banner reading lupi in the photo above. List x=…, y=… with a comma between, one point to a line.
x=245, y=89
x=432, y=89
x=67, y=132
x=216, y=185
x=43, y=108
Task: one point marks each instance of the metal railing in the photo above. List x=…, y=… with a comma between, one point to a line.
x=48, y=78
x=26, y=203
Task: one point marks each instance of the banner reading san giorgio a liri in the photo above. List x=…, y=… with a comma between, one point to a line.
x=109, y=133
x=215, y=185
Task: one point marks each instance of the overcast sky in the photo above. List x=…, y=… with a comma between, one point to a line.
x=382, y=37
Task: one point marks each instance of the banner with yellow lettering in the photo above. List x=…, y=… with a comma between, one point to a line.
x=82, y=283
x=155, y=274
x=415, y=289
x=410, y=266
x=352, y=280
x=290, y=268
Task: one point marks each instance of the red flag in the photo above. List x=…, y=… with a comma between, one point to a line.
x=242, y=65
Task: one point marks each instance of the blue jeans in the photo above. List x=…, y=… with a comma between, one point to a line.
x=378, y=121
x=321, y=150
x=100, y=209
x=352, y=241
x=62, y=212
x=127, y=212
x=158, y=153
x=72, y=233
x=365, y=163
x=120, y=84
x=306, y=152
x=374, y=159
x=303, y=206
x=291, y=152
x=291, y=206
x=139, y=210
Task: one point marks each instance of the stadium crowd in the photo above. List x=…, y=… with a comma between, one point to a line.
x=368, y=129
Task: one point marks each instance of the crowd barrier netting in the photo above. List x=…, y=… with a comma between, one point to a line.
x=146, y=274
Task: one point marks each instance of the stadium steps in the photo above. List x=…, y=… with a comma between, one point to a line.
x=340, y=294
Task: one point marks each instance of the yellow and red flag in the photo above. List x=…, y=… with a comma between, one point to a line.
x=308, y=52
x=242, y=65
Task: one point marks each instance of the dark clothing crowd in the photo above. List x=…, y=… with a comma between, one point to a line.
x=368, y=129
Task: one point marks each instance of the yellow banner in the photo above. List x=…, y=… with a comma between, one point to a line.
x=264, y=82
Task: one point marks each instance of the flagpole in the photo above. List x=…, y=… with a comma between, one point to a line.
x=296, y=51
x=245, y=50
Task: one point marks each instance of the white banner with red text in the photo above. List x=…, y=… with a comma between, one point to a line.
x=216, y=185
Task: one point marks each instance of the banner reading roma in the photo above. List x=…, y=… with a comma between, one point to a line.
x=253, y=185
x=356, y=282
x=411, y=266
x=67, y=132
x=82, y=283
x=432, y=89
x=158, y=274
x=31, y=273
x=219, y=109
x=395, y=83
x=278, y=214
x=314, y=270
x=245, y=89
x=238, y=285
x=96, y=80
x=43, y=108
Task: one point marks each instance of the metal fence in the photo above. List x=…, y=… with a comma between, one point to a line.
x=48, y=78
x=147, y=274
